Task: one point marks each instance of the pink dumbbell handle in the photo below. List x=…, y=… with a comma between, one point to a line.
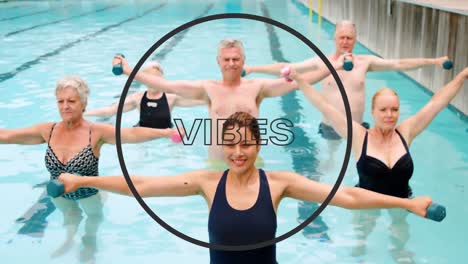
x=285, y=73
x=176, y=137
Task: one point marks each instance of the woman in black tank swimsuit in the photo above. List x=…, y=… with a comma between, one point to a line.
x=243, y=200
x=73, y=146
x=384, y=163
x=155, y=106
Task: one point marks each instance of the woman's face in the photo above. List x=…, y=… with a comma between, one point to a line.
x=240, y=149
x=69, y=104
x=386, y=111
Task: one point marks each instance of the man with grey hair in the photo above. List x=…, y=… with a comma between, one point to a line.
x=353, y=80
x=155, y=107
x=226, y=96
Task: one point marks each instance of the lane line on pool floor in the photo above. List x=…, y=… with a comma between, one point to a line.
x=60, y=20
x=160, y=56
x=8, y=75
x=303, y=150
x=32, y=14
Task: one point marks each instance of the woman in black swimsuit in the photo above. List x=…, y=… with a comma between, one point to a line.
x=155, y=107
x=243, y=200
x=384, y=163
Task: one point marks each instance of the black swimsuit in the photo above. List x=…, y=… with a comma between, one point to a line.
x=228, y=226
x=155, y=113
x=376, y=176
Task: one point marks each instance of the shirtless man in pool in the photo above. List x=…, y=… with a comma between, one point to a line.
x=230, y=94
x=353, y=81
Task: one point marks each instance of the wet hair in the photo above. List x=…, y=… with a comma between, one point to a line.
x=74, y=82
x=343, y=23
x=379, y=92
x=243, y=119
x=231, y=43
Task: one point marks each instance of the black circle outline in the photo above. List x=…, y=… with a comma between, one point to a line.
x=119, y=143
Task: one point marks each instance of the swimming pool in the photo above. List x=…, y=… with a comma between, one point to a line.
x=81, y=38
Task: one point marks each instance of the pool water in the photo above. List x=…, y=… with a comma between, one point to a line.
x=44, y=40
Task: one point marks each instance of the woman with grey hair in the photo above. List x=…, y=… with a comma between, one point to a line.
x=155, y=107
x=73, y=146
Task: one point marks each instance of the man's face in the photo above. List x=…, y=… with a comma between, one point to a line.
x=345, y=38
x=231, y=62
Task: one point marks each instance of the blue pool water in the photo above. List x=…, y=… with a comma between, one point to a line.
x=45, y=40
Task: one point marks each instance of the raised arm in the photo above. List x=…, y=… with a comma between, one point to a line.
x=275, y=87
x=279, y=87
x=379, y=64
x=131, y=102
x=184, y=184
x=299, y=187
x=336, y=118
x=311, y=74
x=106, y=133
x=275, y=68
x=25, y=136
x=418, y=122
x=188, y=89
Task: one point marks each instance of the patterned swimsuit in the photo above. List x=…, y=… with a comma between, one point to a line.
x=84, y=163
